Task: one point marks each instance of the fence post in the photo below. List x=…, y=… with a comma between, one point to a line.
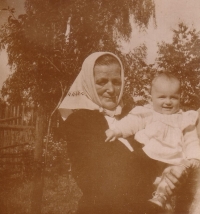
x=37, y=185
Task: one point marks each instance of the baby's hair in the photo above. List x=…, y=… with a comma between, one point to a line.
x=107, y=59
x=167, y=76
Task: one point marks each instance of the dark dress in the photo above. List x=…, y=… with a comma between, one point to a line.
x=113, y=179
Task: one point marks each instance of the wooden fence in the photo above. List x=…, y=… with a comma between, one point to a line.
x=17, y=135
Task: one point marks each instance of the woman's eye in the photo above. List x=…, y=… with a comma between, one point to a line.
x=174, y=98
x=117, y=82
x=101, y=82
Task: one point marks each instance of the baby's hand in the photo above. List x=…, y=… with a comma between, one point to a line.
x=194, y=163
x=111, y=136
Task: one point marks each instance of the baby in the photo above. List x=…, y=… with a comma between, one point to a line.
x=167, y=133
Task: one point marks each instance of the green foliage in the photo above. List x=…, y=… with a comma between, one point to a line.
x=61, y=193
x=138, y=76
x=34, y=45
x=15, y=176
x=182, y=57
x=15, y=197
x=55, y=156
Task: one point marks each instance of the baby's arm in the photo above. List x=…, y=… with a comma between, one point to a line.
x=128, y=125
x=112, y=135
x=125, y=127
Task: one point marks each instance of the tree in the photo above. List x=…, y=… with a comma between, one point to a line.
x=138, y=76
x=182, y=57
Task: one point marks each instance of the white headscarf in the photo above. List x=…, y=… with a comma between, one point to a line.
x=83, y=95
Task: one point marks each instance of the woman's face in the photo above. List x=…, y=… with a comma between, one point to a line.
x=107, y=80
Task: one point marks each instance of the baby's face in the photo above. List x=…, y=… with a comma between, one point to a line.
x=166, y=96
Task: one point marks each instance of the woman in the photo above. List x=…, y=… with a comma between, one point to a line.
x=114, y=179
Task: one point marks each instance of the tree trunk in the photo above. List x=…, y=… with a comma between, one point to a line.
x=37, y=184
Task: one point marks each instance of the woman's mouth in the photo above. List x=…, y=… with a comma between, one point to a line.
x=113, y=97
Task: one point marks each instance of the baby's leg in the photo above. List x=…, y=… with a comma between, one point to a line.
x=161, y=197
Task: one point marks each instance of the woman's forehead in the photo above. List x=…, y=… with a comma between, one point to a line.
x=112, y=70
x=107, y=59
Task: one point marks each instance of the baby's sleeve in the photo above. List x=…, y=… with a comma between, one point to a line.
x=133, y=122
x=191, y=144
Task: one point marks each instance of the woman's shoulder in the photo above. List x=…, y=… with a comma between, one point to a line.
x=85, y=119
x=84, y=114
x=83, y=125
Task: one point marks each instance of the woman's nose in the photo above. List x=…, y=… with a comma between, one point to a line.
x=110, y=87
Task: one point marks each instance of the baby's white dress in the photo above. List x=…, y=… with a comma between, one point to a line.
x=171, y=139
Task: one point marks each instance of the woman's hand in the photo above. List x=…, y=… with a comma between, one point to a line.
x=174, y=176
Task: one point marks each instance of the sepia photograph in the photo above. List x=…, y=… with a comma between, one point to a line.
x=99, y=106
